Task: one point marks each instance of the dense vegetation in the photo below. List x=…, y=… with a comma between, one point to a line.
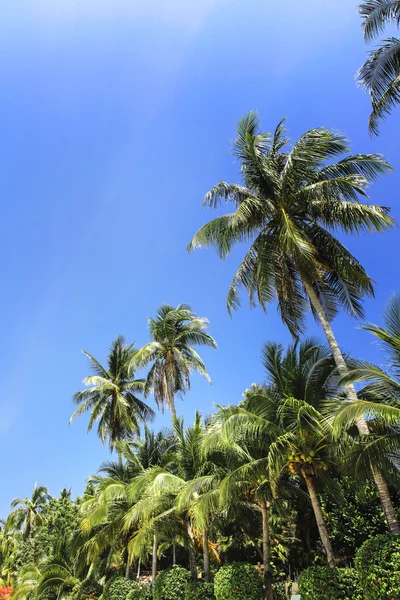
x=297, y=483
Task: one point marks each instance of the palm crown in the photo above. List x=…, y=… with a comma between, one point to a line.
x=380, y=74
x=289, y=206
x=174, y=331
x=112, y=395
x=29, y=511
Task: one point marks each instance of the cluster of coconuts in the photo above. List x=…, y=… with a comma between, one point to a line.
x=301, y=458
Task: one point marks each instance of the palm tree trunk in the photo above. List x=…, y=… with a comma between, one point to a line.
x=351, y=393
x=266, y=553
x=174, y=553
x=154, y=558
x=128, y=567
x=322, y=528
x=138, y=570
x=192, y=553
x=206, y=556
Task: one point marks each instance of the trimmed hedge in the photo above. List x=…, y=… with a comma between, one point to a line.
x=118, y=588
x=378, y=566
x=139, y=592
x=171, y=584
x=241, y=581
x=199, y=591
x=329, y=583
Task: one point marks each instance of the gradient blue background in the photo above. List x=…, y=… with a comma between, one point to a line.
x=116, y=118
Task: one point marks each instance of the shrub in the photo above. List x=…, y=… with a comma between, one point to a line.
x=171, y=584
x=87, y=590
x=240, y=581
x=139, y=592
x=279, y=588
x=378, y=566
x=329, y=583
x=118, y=588
x=199, y=591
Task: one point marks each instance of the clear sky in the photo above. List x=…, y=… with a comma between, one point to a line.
x=116, y=118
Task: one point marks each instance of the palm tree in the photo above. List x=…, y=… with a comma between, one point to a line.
x=244, y=435
x=174, y=333
x=29, y=512
x=379, y=399
x=169, y=497
x=111, y=397
x=104, y=510
x=380, y=74
x=289, y=207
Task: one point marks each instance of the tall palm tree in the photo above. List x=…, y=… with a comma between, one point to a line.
x=380, y=74
x=111, y=396
x=104, y=511
x=289, y=206
x=379, y=398
x=174, y=332
x=29, y=512
x=169, y=496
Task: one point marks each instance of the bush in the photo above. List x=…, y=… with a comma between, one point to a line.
x=240, y=581
x=378, y=566
x=329, y=583
x=87, y=590
x=199, y=591
x=139, y=592
x=118, y=588
x=171, y=584
x=279, y=588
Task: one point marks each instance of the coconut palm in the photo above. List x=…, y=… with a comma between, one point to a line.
x=289, y=206
x=380, y=74
x=379, y=399
x=169, y=497
x=29, y=512
x=245, y=436
x=104, y=510
x=111, y=396
x=174, y=332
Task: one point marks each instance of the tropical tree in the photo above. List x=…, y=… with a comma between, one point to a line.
x=174, y=332
x=289, y=206
x=105, y=509
x=29, y=512
x=169, y=497
x=111, y=396
x=380, y=74
x=378, y=399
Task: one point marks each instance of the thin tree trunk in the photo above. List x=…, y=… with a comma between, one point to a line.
x=351, y=393
x=192, y=553
x=154, y=561
x=138, y=569
x=170, y=400
x=323, y=531
x=206, y=556
x=128, y=567
x=174, y=553
x=269, y=594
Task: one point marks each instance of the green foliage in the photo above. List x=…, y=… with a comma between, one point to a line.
x=171, y=584
x=199, y=591
x=357, y=519
x=118, y=588
x=139, y=592
x=378, y=565
x=241, y=581
x=88, y=590
x=279, y=588
x=326, y=583
x=60, y=522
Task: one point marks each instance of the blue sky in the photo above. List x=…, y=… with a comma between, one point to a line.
x=117, y=117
